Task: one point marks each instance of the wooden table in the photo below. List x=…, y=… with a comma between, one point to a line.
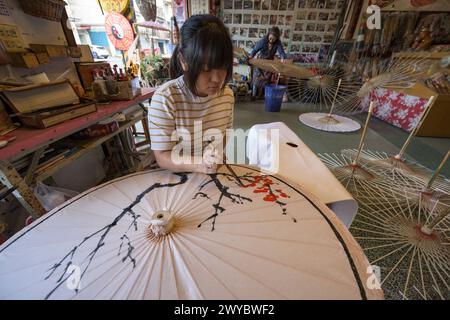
x=34, y=141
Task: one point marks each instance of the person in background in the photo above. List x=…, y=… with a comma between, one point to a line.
x=267, y=48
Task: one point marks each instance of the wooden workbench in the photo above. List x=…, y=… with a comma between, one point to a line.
x=34, y=141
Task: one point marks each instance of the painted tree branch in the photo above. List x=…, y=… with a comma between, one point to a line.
x=104, y=232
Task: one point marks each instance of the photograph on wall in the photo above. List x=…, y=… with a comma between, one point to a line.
x=294, y=48
x=241, y=44
x=266, y=4
x=321, y=4
x=285, y=44
x=323, y=16
x=280, y=20
x=256, y=19
x=265, y=19
x=298, y=27
x=320, y=27
x=331, y=27
x=301, y=4
x=331, y=4
x=237, y=4
x=328, y=38
x=244, y=32
x=340, y=4
x=286, y=34
x=228, y=4
x=234, y=42
x=333, y=16
x=227, y=18
x=297, y=37
x=283, y=5
x=257, y=5
x=311, y=4
x=311, y=27
x=249, y=44
x=291, y=5
x=248, y=5
x=237, y=18
x=273, y=19
x=315, y=48
x=312, y=16
x=247, y=19
x=274, y=4
x=253, y=33
x=288, y=20
x=301, y=15
x=234, y=31
x=262, y=33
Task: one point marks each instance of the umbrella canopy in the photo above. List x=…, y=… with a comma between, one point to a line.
x=160, y=235
x=331, y=123
x=285, y=69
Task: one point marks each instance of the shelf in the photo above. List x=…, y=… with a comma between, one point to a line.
x=29, y=140
x=86, y=146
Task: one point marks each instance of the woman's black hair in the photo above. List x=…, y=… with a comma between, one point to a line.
x=204, y=43
x=275, y=31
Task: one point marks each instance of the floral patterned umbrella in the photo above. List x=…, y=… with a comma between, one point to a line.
x=160, y=235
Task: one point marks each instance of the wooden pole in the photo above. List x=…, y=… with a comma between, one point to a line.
x=413, y=133
x=363, y=136
x=437, y=171
x=334, y=98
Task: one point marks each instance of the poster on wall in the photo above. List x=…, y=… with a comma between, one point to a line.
x=179, y=11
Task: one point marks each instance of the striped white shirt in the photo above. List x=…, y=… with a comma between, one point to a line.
x=174, y=107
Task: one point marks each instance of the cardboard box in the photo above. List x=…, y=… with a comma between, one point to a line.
x=42, y=57
x=128, y=90
x=24, y=60
x=86, y=53
x=85, y=70
x=53, y=51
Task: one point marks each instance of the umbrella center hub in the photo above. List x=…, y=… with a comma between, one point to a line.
x=161, y=223
x=329, y=120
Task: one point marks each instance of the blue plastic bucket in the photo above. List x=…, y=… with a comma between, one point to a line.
x=274, y=97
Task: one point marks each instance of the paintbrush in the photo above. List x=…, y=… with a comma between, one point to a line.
x=234, y=174
x=231, y=170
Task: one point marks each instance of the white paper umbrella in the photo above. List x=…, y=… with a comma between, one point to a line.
x=331, y=123
x=159, y=235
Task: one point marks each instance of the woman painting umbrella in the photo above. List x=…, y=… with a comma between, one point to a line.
x=267, y=48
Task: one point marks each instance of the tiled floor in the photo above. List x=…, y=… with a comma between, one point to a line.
x=381, y=136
